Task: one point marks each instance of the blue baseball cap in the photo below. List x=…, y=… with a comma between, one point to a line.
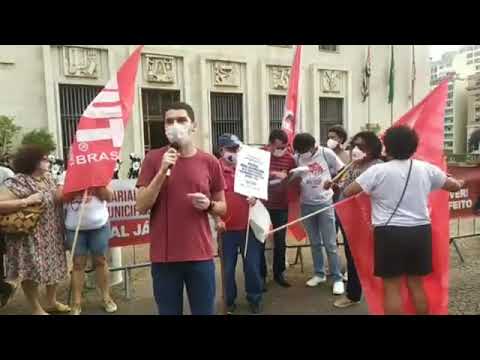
x=229, y=141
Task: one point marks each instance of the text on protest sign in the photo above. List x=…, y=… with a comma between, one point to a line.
x=466, y=202
x=129, y=227
x=252, y=172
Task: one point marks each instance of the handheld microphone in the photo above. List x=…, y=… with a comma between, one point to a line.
x=175, y=146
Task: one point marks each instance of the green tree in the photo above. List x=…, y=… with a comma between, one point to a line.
x=40, y=137
x=8, y=132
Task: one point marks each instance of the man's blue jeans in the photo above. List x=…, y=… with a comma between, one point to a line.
x=199, y=279
x=321, y=232
x=232, y=242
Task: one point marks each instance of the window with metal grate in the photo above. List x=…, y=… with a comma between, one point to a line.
x=331, y=113
x=154, y=102
x=74, y=99
x=276, y=107
x=227, y=115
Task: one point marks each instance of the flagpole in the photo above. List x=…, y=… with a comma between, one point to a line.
x=77, y=230
x=248, y=232
x=414, y=75
x=392, y=81
x=75, y=238
x=369, y=103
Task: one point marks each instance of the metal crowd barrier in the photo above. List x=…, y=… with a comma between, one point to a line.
x=298, y=258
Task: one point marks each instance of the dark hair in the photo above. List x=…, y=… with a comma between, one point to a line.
x=372, y=143
x=303, y=142
x=278, y=134
x=400, y=142
x=27, y=158
x=340, y=131
x=181, y=106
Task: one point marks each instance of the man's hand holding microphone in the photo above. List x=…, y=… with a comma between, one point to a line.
x=169, y=159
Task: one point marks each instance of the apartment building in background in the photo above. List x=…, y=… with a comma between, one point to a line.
x=458, y=65
x=473, y=104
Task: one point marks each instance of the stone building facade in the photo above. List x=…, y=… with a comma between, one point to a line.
x=235, y=88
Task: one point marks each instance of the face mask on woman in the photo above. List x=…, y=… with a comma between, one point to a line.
x=332, y=144
x=357, y=154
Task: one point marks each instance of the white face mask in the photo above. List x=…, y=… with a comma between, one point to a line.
x=279, y=152
x=332, y=144
x=178, y=133
x=357, y=154
x=230, y=157
x=306, y=156
x=44, y=165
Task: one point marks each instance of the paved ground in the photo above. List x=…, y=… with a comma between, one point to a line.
x=297, y=300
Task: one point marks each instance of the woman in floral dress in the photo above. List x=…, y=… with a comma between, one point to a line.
x=37, y=259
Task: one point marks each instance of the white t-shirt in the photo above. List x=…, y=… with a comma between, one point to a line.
x=95, y=214
x=5, y=173
x=385, y=183
x=321, y=166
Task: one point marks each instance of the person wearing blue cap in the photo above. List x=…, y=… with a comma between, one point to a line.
x=234, y=228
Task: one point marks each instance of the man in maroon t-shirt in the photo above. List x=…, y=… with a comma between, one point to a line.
x=181, y=187
x=281, y=162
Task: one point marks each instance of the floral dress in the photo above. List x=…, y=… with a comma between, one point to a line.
x=39, y=257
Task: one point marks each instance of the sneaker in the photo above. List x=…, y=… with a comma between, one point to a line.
x=231, y=309
x=345, y=302
x=109, y=306
x=338, y=288
x=316, y=280
x=76, y=309
x=345, y=277
x=256, y=308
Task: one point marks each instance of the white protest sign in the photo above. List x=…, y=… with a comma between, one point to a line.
x=252, y=172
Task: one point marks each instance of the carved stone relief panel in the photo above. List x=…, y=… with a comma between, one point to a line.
x=279, y=76
x=81, y=62
x=226, y=74
x=331, y=81
x=160, y=69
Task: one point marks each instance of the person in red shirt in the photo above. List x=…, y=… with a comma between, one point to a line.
x=281, y=162
x=180, y=188
x=234, y=227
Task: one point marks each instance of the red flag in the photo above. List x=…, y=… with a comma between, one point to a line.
x=355, y=214
x=292, y=102
x=101, y=130
x=290, y=126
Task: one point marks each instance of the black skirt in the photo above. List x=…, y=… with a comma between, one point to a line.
x=401, y=250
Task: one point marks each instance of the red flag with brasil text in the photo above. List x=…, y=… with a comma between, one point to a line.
x=290, y=125
x=101, y=130
x=355, y=214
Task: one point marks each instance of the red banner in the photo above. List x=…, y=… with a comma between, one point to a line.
x=427, y=119
x=466, y=202
x=99, y=137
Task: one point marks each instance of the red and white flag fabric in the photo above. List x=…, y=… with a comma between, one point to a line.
x=291, y=124
x=101, y=130
x=355, y=214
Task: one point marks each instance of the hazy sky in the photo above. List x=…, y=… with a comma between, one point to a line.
x=436, y=51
